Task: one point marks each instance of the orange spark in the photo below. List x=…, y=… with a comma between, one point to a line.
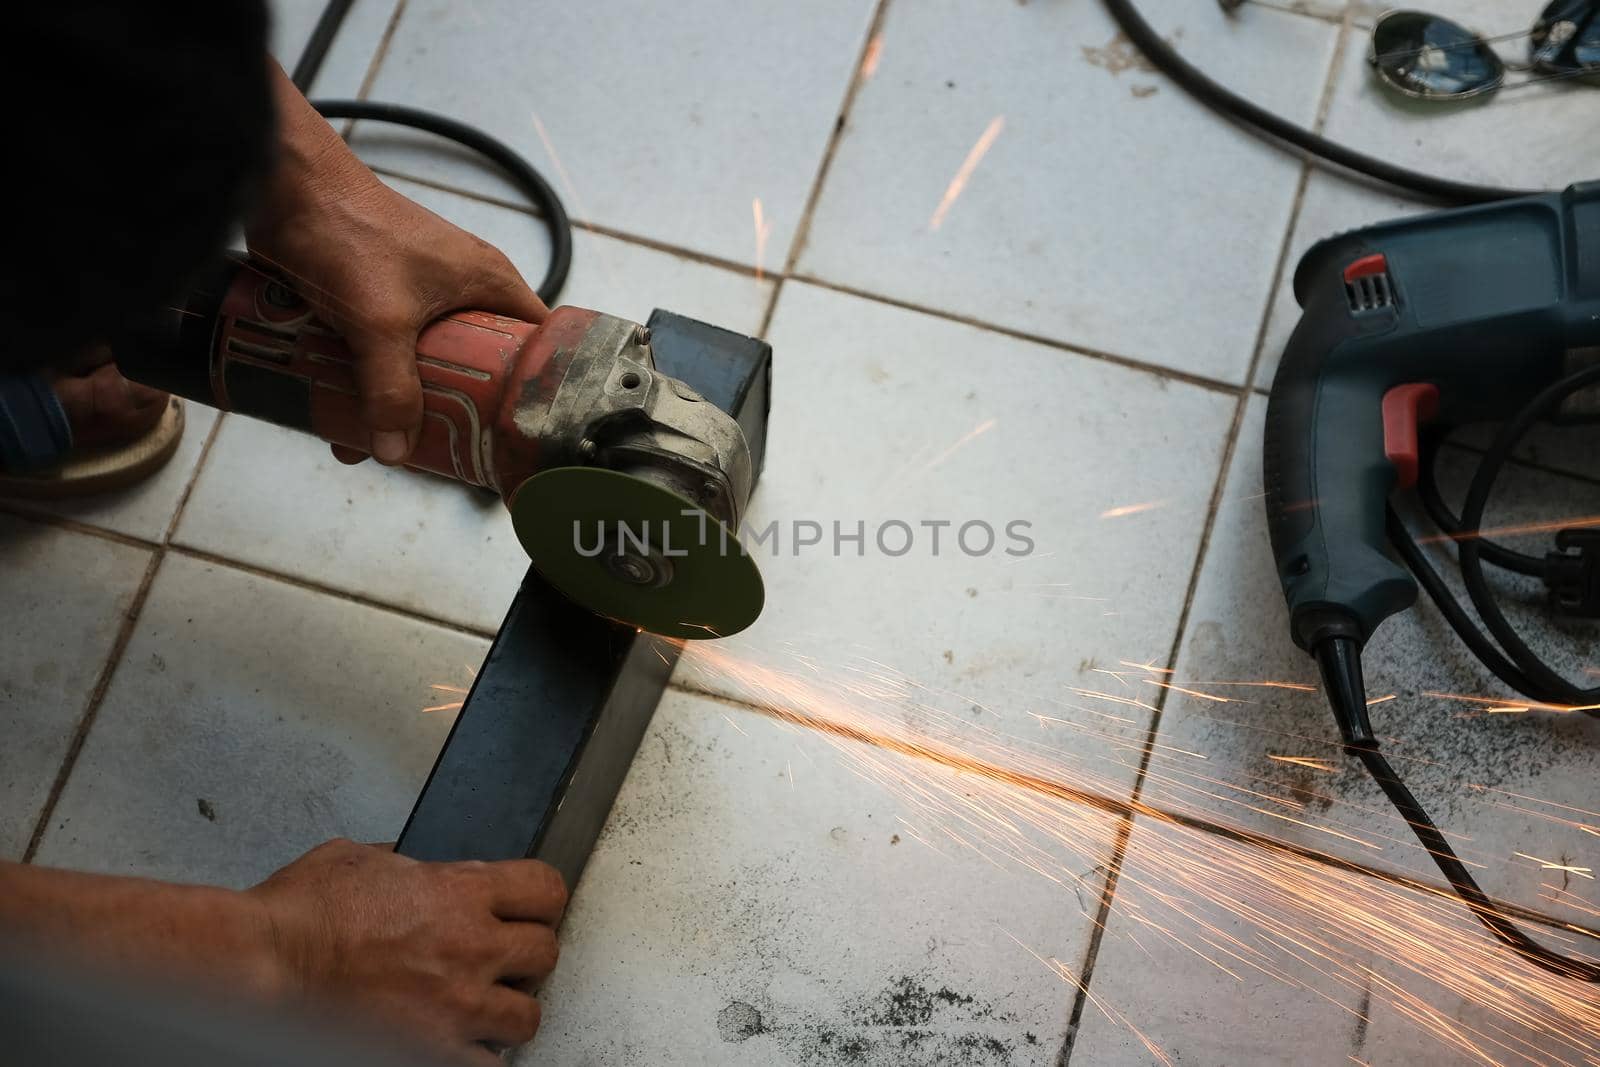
x=1577, y=522
x=965, y=439
x=1132, y=509
x=1304, y=761
x=1583, y=872
x=869, y=62
x=447, y=688
x=445, y=707
x=1187, y=692
x=968, y=165
x=1503, y=706
x=763, y=230
x=1382, y=700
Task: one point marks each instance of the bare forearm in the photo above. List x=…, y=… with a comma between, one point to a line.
x=313, y=162
x=136, y=924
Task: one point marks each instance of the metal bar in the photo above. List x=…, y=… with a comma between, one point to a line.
x=544, y=740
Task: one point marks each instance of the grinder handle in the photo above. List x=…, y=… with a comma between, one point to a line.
x=1328, y=478
x=246, y=342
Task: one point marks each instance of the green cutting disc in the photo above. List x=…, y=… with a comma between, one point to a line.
x=629, y=549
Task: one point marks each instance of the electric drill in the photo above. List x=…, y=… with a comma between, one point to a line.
x=1488, y=313
x=1450, y=318
x=623, y=483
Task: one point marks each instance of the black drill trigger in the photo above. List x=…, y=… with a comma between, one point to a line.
x=1573, y=574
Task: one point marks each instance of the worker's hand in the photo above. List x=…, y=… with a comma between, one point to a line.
x=442, y=951
x=377, y=266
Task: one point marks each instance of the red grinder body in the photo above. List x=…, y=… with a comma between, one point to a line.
x=248, y=343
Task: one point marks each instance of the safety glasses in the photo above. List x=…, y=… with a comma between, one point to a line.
x=1426, y=57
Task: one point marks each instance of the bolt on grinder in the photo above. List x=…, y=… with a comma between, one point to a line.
x=625, y=486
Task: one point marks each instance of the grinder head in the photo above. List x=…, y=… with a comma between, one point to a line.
x=636, y=510
x=626, y=546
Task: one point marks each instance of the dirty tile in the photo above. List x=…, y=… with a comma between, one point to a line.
x=1502, y=783
x=1529, y=138
x=755, y=899
x=1099, y=164
x=65, y=595
x=888, y=423
x=660, y=121
x=279, y=500
x=209, y=761
x=1225, y=952
x=147, y=509
x=352, y=52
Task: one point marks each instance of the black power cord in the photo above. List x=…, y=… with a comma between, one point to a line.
x=1511, y=660
x=521, y=172
x=1501, y=650
x=1283, y=133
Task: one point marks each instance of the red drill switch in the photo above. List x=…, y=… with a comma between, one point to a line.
x=1405, y=408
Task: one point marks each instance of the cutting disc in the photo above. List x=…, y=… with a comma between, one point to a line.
x=631, y=550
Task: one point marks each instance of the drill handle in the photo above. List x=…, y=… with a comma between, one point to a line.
x=1328, y=478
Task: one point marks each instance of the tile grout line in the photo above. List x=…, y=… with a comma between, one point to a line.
x=200, y=555
x=119, y=647
x=91, y=709
x=1230, y=448
x=802, y=230
x=1127, y=362
x=1215, y=828
x=747, y=270
x=194, y=477
x=381, y=53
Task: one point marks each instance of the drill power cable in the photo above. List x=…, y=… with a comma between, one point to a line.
x=1522, y=670
x=1517, y=665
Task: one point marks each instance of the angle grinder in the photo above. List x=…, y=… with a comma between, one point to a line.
x=625, y=486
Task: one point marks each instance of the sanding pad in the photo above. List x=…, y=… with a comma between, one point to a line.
x=631, y=550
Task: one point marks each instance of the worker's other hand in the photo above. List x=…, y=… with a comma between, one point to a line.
x=442, y=951
x=377, y=266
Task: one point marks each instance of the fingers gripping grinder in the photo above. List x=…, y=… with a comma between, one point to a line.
x=624, y=485
x=1451, y=318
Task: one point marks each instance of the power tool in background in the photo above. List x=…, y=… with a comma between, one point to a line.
x=624, y=485
x=1410, y=329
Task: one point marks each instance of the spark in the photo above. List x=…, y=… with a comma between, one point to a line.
x=1297, y=687
x=1503, y=706
x=447, y=688
x=789, y=766
x=763, y=231
x=1576, y=522
x=1132, y=509
x=968, y=165
x=1187, y=692
x=1247, y=903
x=1584, y=872
x=1382, y=700
x=1151, y=667
x=869, y=62
x=445, y=707
x=965, y=439
x=1304, y=761
x=733, y=724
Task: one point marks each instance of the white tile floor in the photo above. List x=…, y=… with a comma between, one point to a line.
x=1074, y=344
